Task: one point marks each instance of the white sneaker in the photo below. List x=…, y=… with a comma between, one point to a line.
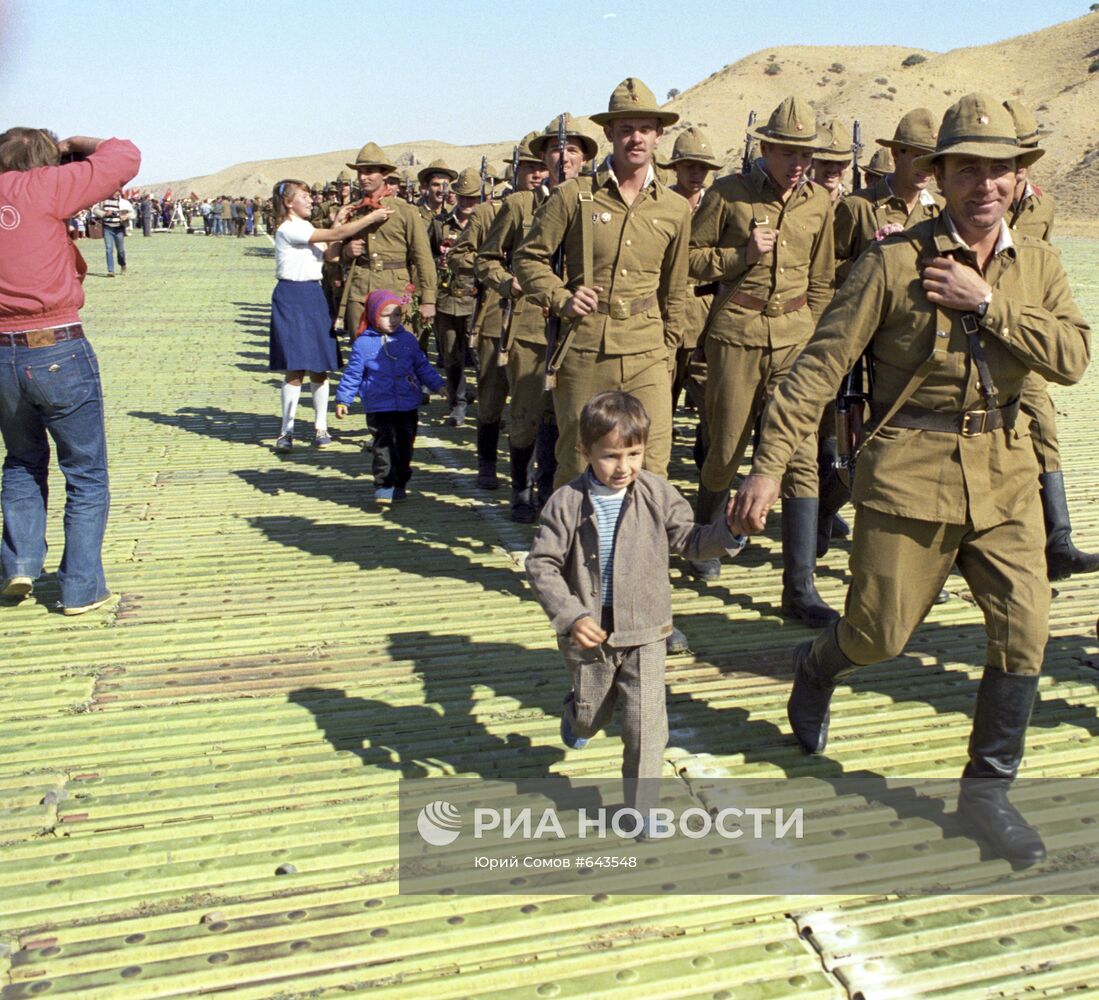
x=17, y=587
x=83, y=608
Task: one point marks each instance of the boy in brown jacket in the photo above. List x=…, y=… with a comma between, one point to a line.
x=599, y=568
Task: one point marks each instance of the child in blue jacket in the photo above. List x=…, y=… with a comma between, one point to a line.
x=386, y=371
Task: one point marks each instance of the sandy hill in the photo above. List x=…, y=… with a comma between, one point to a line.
x=1051, y=70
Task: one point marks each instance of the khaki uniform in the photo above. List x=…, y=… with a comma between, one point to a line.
x=393, y=249
x=926, y=497
x=491, y=377
x=455, y=305
x=530, y=403
x=1033, y=216
x=749, y=352
x=690, y=365
x=859, y=217
x=640, y=260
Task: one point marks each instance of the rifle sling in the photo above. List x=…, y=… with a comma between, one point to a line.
x=587, y=252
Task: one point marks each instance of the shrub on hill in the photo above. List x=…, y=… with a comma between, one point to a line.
x=914, y=60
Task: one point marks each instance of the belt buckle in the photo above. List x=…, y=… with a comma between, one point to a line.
x=967, y=430
x=41, y=338
x=619, y=310
x=773, y=309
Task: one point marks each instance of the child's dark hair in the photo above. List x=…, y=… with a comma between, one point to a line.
x=280, y=194
x=613, y=411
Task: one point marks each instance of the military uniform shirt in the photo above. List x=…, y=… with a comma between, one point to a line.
x=457, y=284
x=400, y=239
x=463, y=258
x=1032, y=323
x=1033, y=215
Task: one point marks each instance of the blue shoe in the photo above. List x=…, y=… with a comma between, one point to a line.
x=572, y=742
x=384, y=495
x=400, y=493
x=284, y=442
x=321, y=439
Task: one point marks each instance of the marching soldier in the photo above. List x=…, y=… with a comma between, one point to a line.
x=1031, y=213
x=385, y=255
x=832, y=157
x=531, y=420
x=435, y=180
x=691, y=162
x=457, y=292
x=897, y=201
x=766, y=236
x=623, y=310
x=880, y=164
x=332, y=270
x=956, y=310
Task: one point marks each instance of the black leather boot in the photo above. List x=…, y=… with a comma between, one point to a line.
x=833, y=495
x=545, y=461
x=710, y=505
x=455, y=395
x=818, y=665
x=800, y=599
x=1062, y=557
x=1000, y=718
x=488, y=439
x=522, y=507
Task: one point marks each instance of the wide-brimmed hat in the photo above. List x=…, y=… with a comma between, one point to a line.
x=880, y=164
x=1027, y=130
x=632, y=99
x=548, y=136
x=834, y=142
x=692, y=145
x=978, y=125
x=792, y=123
x=371, y=155
x=436, y=167
x=343, y=177
x=467, y=184
x=526, y=155
x=915, y=130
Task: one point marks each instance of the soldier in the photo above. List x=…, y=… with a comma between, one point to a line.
x=624, y=237
x=457, y=292
x=691, y=162
x=767, y=237
x=897, y=201
x=832, y=157
x=386, y=255
x=435, y=180
x=487, y=322
x=332, y=270
x=1031, y=213
x=880, y=164
x=531, y=419
x=956, y=311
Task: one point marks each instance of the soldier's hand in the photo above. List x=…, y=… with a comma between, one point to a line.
x=356, y=248
x=762, y=241
x=341, y=411
x=378, y=215
x=586, y=633
x=748, y=508
x=427, y=311
x=583, y=302
x=516, y=289
x=954, y=285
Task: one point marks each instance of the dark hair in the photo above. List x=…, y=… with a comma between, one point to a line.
x=281, y=192
x=28, y=148
x=613, y=411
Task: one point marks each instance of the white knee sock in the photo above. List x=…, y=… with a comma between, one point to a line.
x=320, y=405
x=290, y=395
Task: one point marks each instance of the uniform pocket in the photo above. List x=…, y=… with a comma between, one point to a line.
x=65, y=382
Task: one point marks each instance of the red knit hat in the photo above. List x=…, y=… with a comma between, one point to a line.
x=376, y=301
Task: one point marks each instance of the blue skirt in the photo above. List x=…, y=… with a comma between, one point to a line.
x=301, y=329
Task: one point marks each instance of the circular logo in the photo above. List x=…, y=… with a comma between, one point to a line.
x=9, y=217
x=439, y=823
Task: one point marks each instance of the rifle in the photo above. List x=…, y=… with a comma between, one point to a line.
x=553, y=322
x=484, y=176
x=508, y=309
x=746, y=159
x=856, y=152
x=852, y=402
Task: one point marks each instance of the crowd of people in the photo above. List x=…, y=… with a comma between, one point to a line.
x=878, y=332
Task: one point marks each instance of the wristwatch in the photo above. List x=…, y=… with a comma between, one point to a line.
x=982, y=309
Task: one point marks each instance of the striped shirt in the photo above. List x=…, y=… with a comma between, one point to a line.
x=608, y=507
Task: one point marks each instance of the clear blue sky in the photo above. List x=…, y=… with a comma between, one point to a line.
x=201, y=85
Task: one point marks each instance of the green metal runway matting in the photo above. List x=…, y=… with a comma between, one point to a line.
x=198, y=785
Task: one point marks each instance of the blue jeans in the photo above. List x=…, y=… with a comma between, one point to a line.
x=113, y=238
x=54, y=391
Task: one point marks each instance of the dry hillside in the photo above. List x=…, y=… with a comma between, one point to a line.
x=1048, y=69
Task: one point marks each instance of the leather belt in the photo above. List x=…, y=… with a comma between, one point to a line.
x=42, y=338
x=968, y=424
x=387, y=265
x=620, y=309
x=767, y=306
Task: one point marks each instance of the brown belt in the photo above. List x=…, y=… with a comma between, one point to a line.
x=620, y=309
x=967, y=424
x=42, y=338
x=768, y=306
x=385, y=265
